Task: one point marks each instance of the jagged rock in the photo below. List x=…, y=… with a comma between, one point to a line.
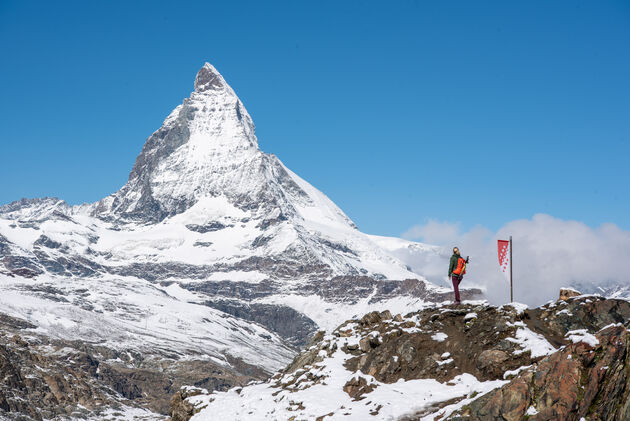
x=491, y=360
x=371, y=318
x=586, y=312
x=579, y=382
x=566, y=293
x=364, y=344
x=480, y=349
x=209, y=227
x=180, y=408
x=358, y=386
x=308, y=356
x=385, y=315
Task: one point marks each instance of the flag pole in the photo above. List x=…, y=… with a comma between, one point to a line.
x=511, y=289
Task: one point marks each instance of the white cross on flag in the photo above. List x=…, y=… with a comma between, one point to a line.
x=504, y=257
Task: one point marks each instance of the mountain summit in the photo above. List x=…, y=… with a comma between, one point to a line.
x=204, y=167
x=209, y=78
x=205, y=147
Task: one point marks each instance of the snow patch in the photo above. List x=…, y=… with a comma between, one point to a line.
x=531, y=341
x=439, y=337
x=582, y=335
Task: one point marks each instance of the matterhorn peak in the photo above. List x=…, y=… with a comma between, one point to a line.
x=209, y=78
x=191, y=156
x=206, y=156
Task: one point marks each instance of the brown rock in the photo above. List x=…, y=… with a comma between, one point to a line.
x=491, y=362
x=566, y=293
x=181, y=409
x=364, y=344
x=357, y=386
x=385, y=315
x=345, y=333
x=554, y=320
x=47, y=378
x=577, y=382
x=371, y=318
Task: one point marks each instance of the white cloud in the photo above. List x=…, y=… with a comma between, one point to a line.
x=549, y=253
x=434, y=232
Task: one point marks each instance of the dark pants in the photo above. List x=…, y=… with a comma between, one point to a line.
x=456, y=280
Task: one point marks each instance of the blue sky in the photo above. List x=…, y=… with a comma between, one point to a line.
x=401, y=112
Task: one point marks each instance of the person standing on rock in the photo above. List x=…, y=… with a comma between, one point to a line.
x=456, y=271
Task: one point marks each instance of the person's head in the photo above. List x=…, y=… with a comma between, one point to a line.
x=456, y=250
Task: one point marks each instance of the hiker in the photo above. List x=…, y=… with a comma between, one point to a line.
x=456, y=271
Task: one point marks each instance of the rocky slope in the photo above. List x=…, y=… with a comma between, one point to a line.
x=45, y=378
x=476, y=361
x=587, y=380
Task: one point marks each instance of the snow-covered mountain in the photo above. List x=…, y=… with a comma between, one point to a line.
x=610, y=289
x=213, y=249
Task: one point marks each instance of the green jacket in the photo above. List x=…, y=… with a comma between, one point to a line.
x=453, y=265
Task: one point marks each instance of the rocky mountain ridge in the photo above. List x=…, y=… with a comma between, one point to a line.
x=564, y=360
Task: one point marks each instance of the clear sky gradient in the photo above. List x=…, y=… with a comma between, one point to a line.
x=478, y=112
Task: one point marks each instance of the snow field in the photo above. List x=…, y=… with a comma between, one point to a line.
x=307, y=399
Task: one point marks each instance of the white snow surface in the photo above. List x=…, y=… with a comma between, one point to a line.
x=128, y=313
x=531, y=411
x=531, y=341
x=439, y=337
x=519, y=307
x=470, y=316
x=582, y=335
x=308, y=400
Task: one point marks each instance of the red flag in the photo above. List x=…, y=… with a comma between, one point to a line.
x=503, y=247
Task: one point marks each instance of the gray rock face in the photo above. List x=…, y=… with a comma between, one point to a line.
x=291, y=325
x=208, y=78
x=45, y=378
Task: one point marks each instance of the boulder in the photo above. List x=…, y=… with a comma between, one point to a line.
x=181, y=409
x=566, y=293
x=491, y=362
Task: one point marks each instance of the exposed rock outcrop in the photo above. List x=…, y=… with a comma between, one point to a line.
x=564, y=360
x=44, y=378
x=593, y=313
x=180, y=408
x=566, y=293
x=482, y=345
x=583, y=381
